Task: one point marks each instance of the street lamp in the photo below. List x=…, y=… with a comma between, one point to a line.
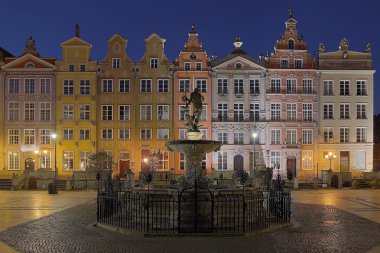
x=330, y=156
x=254, y=135
x=54, y=190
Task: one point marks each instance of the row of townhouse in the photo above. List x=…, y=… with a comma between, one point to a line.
x=284, y=110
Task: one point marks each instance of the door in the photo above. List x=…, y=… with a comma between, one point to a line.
x=344, y=161
x=334, y=181
x=123, y=167
x=238, y=162
x=29, y=164
x=291, y=167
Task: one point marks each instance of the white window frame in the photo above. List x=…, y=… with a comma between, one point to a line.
x=163, y=112
x=145, y=85
x=162, y=133
x=146, y=112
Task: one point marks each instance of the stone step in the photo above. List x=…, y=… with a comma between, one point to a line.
x=5, y=184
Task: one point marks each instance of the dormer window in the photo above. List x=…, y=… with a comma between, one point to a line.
x=153, y=63
x=29, y=65
x=198, y=66
x=82, y=68
x=284, y=63
x=115, y=63
x=71, y=68
x=291, y=44
x=186, y=66
x=298, y=64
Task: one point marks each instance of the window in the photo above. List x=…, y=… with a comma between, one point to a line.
x=68, y=160
x=275, y=159
x=291, y=86
x=182, y=112
x=291, y=112
x=145, y=85
x=238, y=138
x=68, y=87
x=344, y=111
x=344, y=88
x=238, y=112
x=145, y=134
x=107, y=112
x=163, y=85
x=222, y=112
x=298, y=64
x=328, y=135
x=186, y=66
x=45, y=111
x=182, y=161
x=222, y=85
x=71, y=68
x=307, y=86
x=184, y=85
x=124, y=133
x=182, y=134
x=13, y=136
x=14, y=85
x=145, y=112
x=307, y=136
x=68, y=134
x=307, y=112
x=198, y=66
x=84, y=112
x=13, y=111
x=163, y=134
x=201, y=85
x=204, y=133
x=45, y=85
x=84, y=134
x=254, y=86
x=360, y=160
x=107, y=85
x=163, y=163
x=361, y=111
x=204, y=162
x=328, y=88
x=68, y=112
x=223, y=137
x=222, y=160
x=275, y=85
x=291, y=44
x=45, y=159
x=344, y=134
x=204, y=113
x=328, y=111
x=254, y=112
x=254, y=140
x=361, y=88
x=45, y=136
x=84, y=160
x=84, y=88
x=361, y=134
x=275, y=135
x=29, y=85
x=284, y=64
x=82, y=68
x=124, y=112
x=124, y=85
x=307, y=160
x=115, y=63
x=153, y=63
x=29, y=111
x=291, y=136
x=14, y=160
x=275, y=111
x=238, y=86
x=162, y=112
x=29, y=135
x=107, y=133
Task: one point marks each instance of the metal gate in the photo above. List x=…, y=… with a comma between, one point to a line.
x=195, y=210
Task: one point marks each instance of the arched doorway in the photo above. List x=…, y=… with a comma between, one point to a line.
x=334, y=181
x=29, y=164
x=238, y=162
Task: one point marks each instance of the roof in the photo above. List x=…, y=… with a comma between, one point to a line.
x=4, y=53
x=238, y=52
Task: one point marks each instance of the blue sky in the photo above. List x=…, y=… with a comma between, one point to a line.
x=218, y=22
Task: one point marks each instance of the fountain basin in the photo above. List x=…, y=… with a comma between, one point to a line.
x=193, y=147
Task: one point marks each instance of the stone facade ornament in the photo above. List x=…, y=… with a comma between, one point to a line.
x=343, y=45
x=321, y=48
x=77, y=31
x=368, y=48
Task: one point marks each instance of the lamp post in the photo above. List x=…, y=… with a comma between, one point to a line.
x=254, y=135
x=54, y=190
x=330, y=156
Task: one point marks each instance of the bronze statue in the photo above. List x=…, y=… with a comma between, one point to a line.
x=196, y=100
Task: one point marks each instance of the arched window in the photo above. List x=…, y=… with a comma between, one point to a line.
x=291, y=44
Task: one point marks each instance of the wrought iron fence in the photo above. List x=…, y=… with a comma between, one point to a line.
x=195, y=210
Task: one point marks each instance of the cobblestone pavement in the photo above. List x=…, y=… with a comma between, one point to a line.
x=316, y=228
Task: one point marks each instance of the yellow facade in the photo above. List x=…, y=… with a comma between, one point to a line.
x=76, y=106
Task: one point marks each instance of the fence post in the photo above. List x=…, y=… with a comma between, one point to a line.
x=244, y=211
